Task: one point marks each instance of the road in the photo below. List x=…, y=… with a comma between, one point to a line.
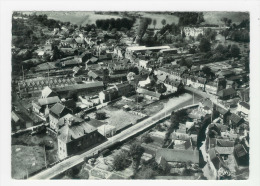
x=77, y=159
x=212, y=97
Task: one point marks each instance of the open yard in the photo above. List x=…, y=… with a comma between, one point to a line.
x=26, y=159
x=117, y=117
x=30, y=147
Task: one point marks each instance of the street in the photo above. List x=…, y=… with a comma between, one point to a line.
x=77, y=159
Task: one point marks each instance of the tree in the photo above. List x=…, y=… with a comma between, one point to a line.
x=161, y=88
x=105, y=75
x=163, y=22
x=206, y=70
x=192, y=50
x=185, y=62
x=226, y=21
x=147, y=138
x=121, y=161
x=136, y=151
x=225, y=33
x=144, y=22
x=189, y=18
x=204, y=45
x=145, y=173
x=100, y=115
x=73, y=172
x=154, y=23
x=210, y=34
x=235, y=51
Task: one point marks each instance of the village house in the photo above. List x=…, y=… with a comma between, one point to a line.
x=244, y=95
x=82, y=58
x=223, y=114
x=241, y=154
x=143, y=63
x=235, y=120
x=95, y=75
x=196, y=82
x=68, y=42
x=177, y=155
x=244, y=108
x=18, y=122
x=75, y=135
x=173, y=85
x=56, y=112
x=70, y=63
x=43, y=104
x=151, y=95
x=124, y=89
x=47, y=92
x=227, y=93
x=133, y=49
x=215, y=168
x=108, y=95
x=192, y=31
x=211, y=87
x=87, y=88
x=206, y=106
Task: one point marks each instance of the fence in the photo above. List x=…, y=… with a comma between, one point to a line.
x=137, y=113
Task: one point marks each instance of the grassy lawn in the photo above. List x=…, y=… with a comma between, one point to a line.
x=26, y=158
x=31, y=149
x=153, y=108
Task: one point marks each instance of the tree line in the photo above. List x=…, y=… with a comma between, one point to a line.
x=108, y=24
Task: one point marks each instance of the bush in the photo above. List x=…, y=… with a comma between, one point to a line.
x=47, y=144
x=73, y=172
x=120, y=161
x=100, y=115
x=147, y=138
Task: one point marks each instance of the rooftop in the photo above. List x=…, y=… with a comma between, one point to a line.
x=178, y=155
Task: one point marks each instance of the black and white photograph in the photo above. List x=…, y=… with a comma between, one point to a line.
x=130, y=95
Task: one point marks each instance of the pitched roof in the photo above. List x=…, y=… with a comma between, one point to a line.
x=15, y=116
x=235, y=118
x=46, y=92
x=80, y=40
x=148, y=92
x=225, y=143
x=48, y=100
x=245, y=105
x=226, y=92
x=222, y=110
x=122, y=85
x=70, y=132
x=92, y=74
x=57, y=108
x=240, y=150
x=224, y=150
x=80, y=86
x=110, y=90
x=178, y=155
x=206, y=102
